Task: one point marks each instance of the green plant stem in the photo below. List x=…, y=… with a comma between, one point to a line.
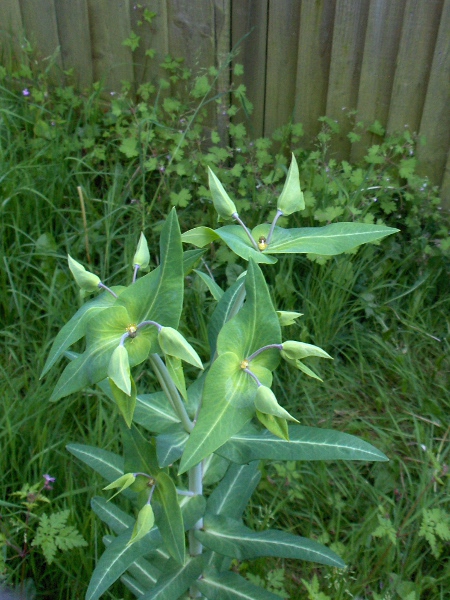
x=237, y=218
x=171, y=391
x=196, y=486
x=272, y=227
x=106, y=288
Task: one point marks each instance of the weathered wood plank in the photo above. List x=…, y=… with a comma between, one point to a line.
x=39, y=21
x=249, y=33
x=346, y=59
x=75, y=39
x=445, y=187
x=435, y=123
x=419, y=32
x=282, y=52
x=110, y=26
x=378, y=67
x=11, y=29
x=313, y=65
x=222, y=37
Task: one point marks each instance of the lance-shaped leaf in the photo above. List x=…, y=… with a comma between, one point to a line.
x=231, y=538
x=231, y=586
x=291, y=198
x=330, y=240
x=139, y=452
x=223, y=204
x=123, y=482
x=174, y=344
x=117, y=558
x=266, y=402
x=85, y=280
x=216, y=291
x=142, y=254
x=176, y=580
x=144, y=522
x=306, y=443
x=226, y=308
x=158, y=296
x=154, y=412
x=168, y=516
x=191, y=259
x=170, y=446
x=75, y=329
x=125, y=403
x=107, y=464
x=119, y=369
x=175, y=369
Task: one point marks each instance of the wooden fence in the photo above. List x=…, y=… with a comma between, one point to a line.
x=388, y=59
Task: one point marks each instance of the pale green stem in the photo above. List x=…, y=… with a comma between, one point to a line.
x=106, y=288
x=274, y=222
x=135, y=272
x=171, y=391
x=195, y=547
x=237, y=218
x=268, y=347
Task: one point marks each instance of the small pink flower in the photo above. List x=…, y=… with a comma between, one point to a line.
x=48, y=480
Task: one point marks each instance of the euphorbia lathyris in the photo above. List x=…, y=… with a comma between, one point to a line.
x=213, y=426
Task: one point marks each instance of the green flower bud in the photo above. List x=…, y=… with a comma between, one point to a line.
x=287, y=317
x=122, y=482
x=174, y=344
x=291, y=197
x=298, y=350
x=275, y=425
x=88, y=282
x=142, y=254
x=223, y=204
x=266, y=402
x=144, y=522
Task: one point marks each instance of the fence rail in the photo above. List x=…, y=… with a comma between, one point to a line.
x=387, y=59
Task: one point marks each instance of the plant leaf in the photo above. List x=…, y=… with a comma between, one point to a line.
x=168, y=516
x=306, y=443
x=170, y=446
x=216, y=291
x=175, y=368
x=229, y=537
x=139, y=453
x=125, y=403
x=154, y=412
x=231, y=586
x=144, y=522
x=119, y=369
x=107, y=464
x=191, y=258
x=330, y=240
x=176, y=580
x=276, y=425
x=226, y=308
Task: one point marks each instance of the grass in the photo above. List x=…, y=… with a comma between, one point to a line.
x=382, y=314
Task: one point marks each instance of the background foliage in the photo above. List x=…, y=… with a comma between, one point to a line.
x=382, y=313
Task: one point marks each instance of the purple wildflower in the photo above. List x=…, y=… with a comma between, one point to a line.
x=26, y=92
x=48, y=480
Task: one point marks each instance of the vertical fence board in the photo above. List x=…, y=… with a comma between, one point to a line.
x=154, y=36
x=314, y=55
x=109, y=27
x=282, y=52
x=378, y=67
x=39, y=21
x=445, y=188
x=435, y=123
x=249, y=31
x=346, y=59
x=10, y=29
x=222, y=36
x=420, y=26
x=75, y=39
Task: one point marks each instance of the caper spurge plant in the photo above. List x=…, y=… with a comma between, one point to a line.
x=213, y=426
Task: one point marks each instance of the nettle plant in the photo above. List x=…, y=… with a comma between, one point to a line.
x=209, y=429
